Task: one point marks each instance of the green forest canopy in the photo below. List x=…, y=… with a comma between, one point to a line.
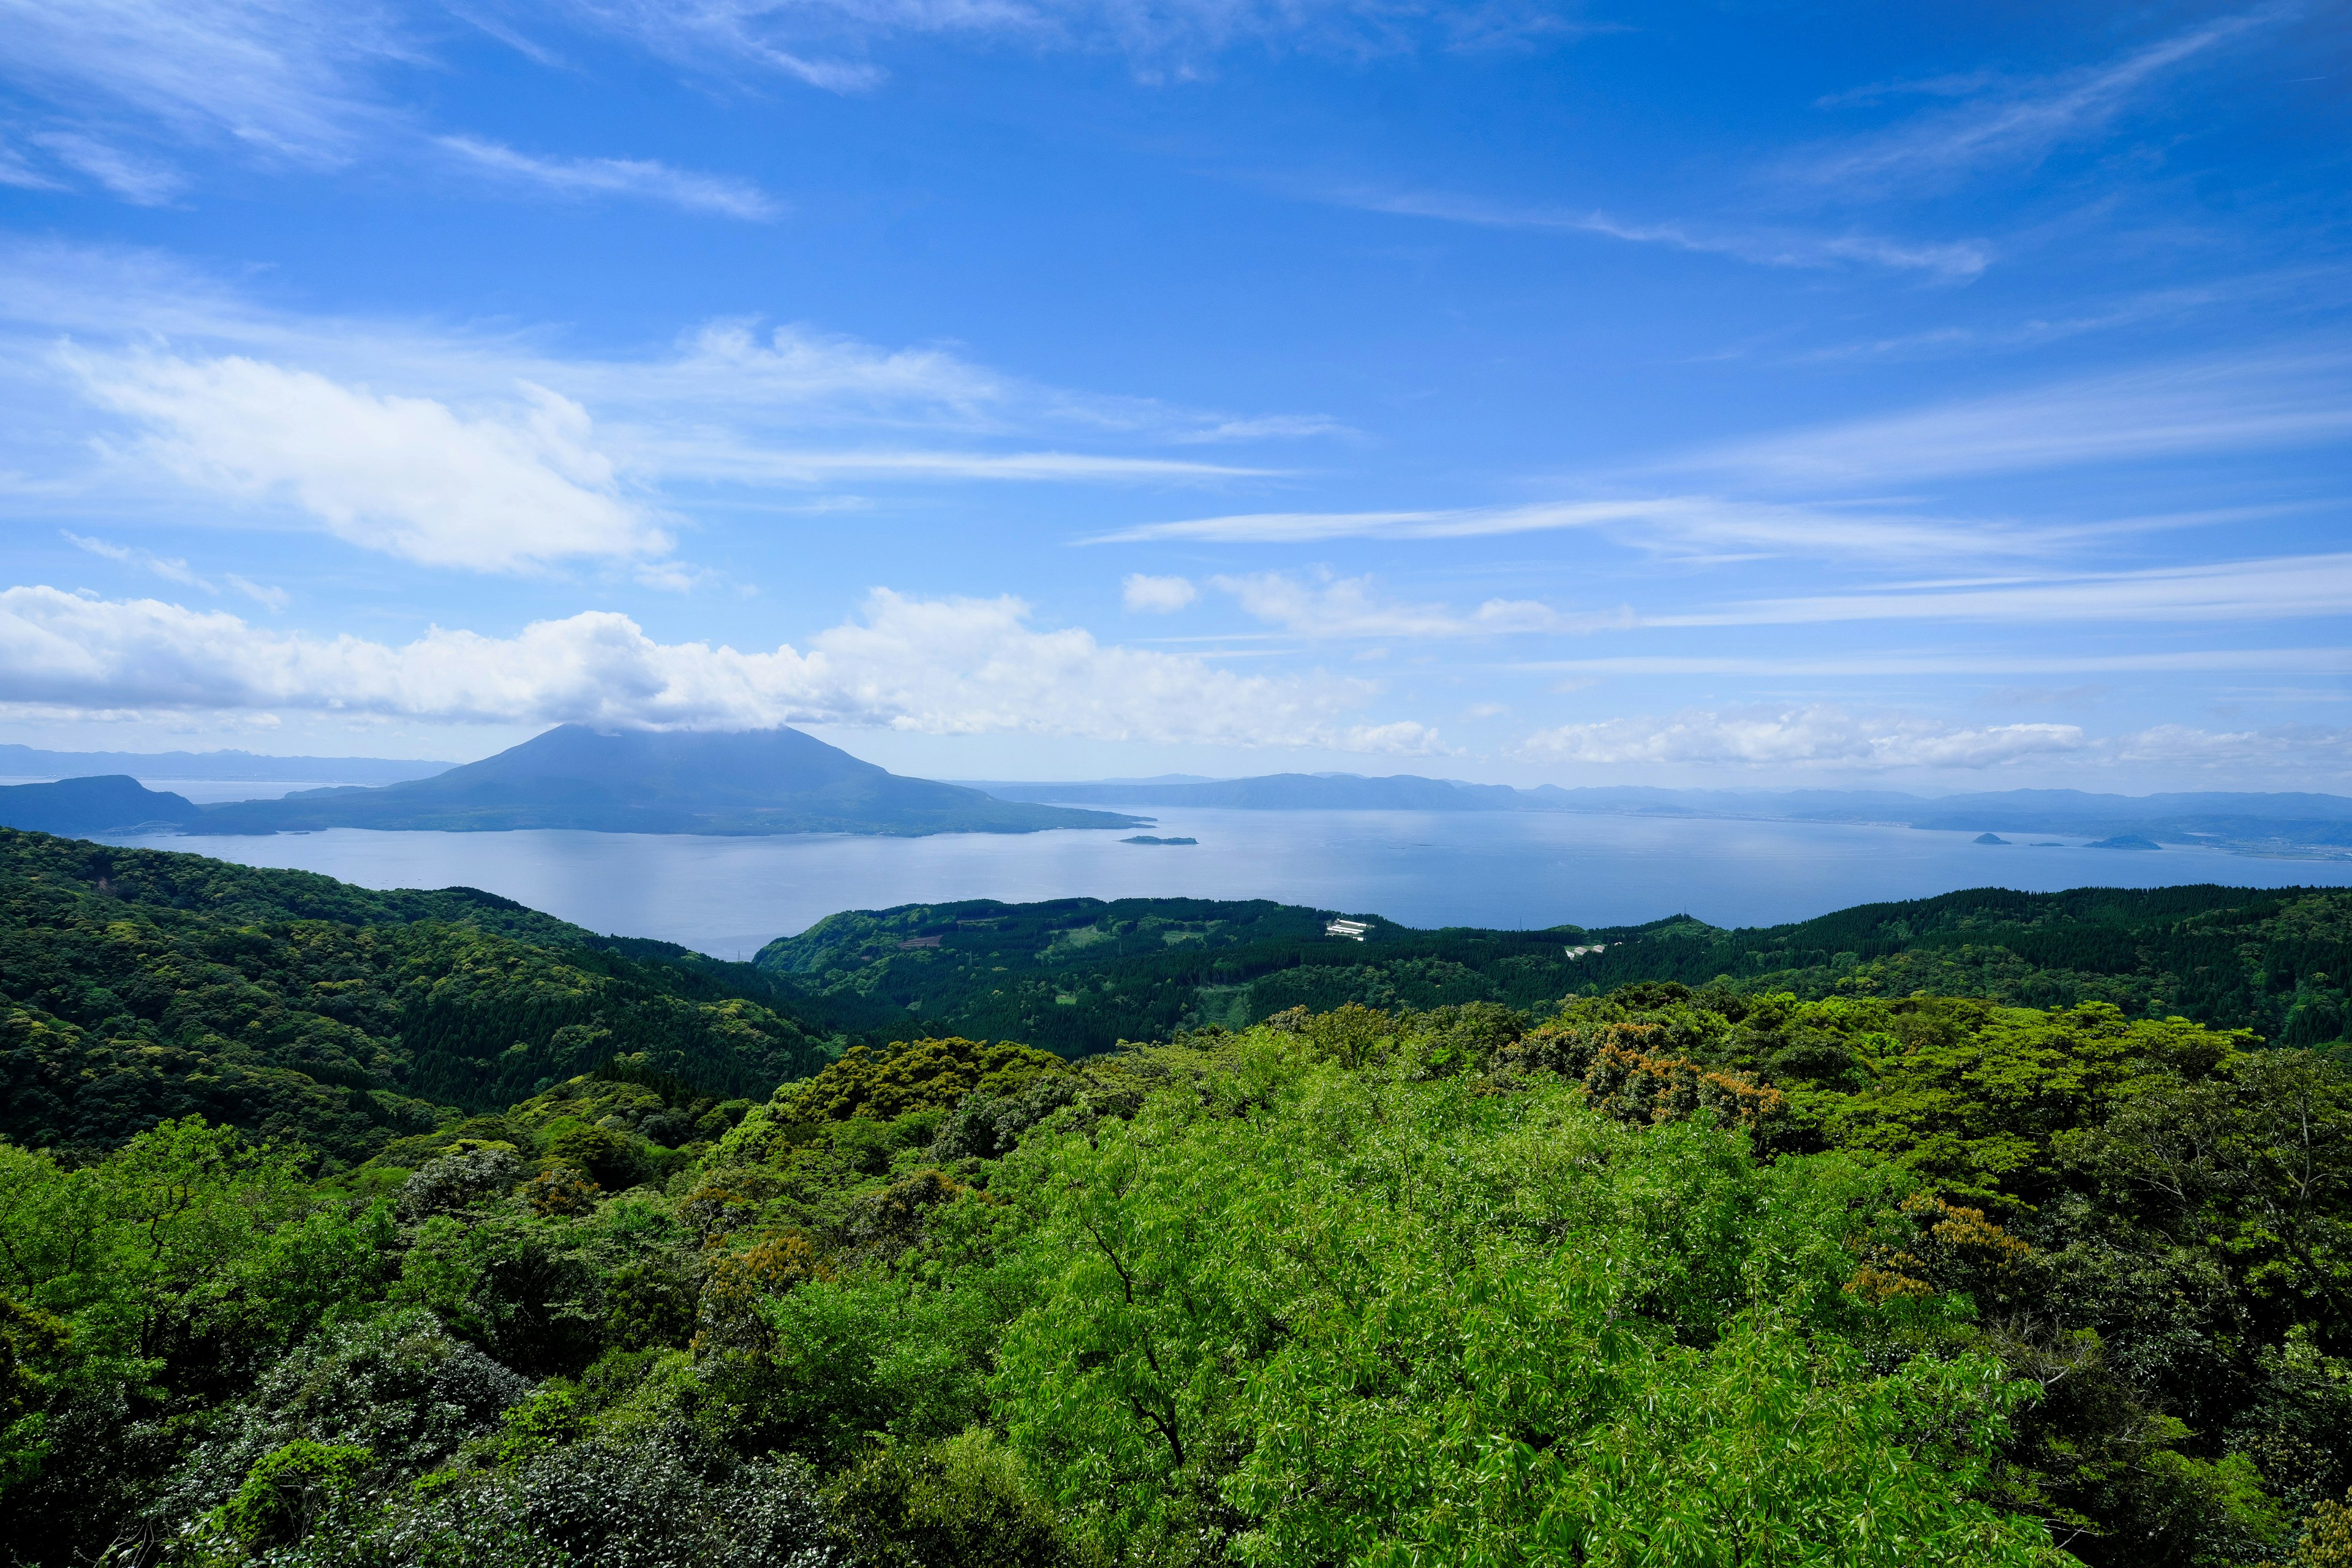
x=1694, y=1269
x=1667, y=1277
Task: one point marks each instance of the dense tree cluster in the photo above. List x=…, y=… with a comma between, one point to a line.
x=418, y=1228
x=1665, y=1276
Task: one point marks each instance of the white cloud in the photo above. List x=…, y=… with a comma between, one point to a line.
x=1157, y=595
x=936, y=667
x=1957, y=260
x=729, y=404
x=641, y=177
x=136, y=179
x=1816, y=734
x=1331, y=607
x=505, y=489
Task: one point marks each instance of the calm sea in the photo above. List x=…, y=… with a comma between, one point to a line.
x=727, y=896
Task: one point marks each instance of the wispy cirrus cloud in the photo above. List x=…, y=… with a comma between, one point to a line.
x=1765, y=244
x=2002, y=119
x=494, y=451
x=929, y=666
x=2276, y=588
x=1828, y=737
x=1967, y=661
x=1733, y=497
x=1676, y=524
x=176, y=569
x=1801, y=735
x=643, y=178
x=141, y=181
x=826, y=44
x=2234, y=403
x=172, y=569
x=289, y=77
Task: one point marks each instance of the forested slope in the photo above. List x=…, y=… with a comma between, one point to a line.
x=137, y=986
x=1079, y=975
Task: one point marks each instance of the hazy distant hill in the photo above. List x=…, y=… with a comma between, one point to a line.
x=27, y=762
x=104, y=805
x=2285, y=823
x=754, y=781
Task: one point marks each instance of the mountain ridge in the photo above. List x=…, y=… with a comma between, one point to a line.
x=232, y=767
x=2281, y=822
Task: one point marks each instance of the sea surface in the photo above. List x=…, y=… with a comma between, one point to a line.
x=728, y=896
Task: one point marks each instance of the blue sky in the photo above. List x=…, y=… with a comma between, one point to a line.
x=1929, y=397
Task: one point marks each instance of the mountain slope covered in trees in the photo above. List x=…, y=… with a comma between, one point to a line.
x=1079, y=975
x=138, y=987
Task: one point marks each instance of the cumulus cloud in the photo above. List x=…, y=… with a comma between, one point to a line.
x=936, y=667
x=721, y=194
x=1814, y=734
x=501, y=489
x=1329, y=606
x=1158, y=596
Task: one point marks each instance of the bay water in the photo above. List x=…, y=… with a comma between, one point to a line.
x=728, y=896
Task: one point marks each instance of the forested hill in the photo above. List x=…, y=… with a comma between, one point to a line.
x=138, y=985
x=1078, y=975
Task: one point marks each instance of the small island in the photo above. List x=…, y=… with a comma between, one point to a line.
x=1147, y=839
x=1989, y=839
x=2125, y=841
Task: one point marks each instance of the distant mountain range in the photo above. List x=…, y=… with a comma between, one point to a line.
x=27, y=762
x=2273, y=824
x=756, y=782
x=782, y=781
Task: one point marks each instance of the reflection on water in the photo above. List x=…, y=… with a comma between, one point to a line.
x=727, y=896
